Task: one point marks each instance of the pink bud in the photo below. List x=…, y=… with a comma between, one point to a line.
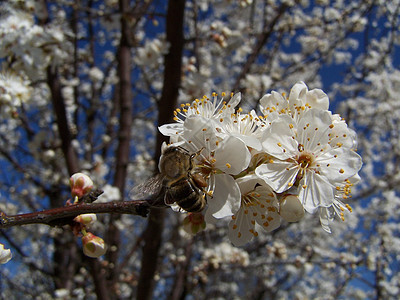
x=93, y=246
x=86, y=219
x=81, y=184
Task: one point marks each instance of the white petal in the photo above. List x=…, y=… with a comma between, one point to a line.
x=235, y=100
x=171, y=129
x=279, y=175
x=339, y=164
x=268, y=217
x=316, y=98
x=232, y=156
x=248, y=183
x=239, y=229
x=313, y=130
x=297, y=91
x=226, y=197
x=201, y=132
x=343, y=135
x=272, y=102
x=315, y=191
x=5, y=254
x=249, y=140
x=279, y=138
x=325, y=218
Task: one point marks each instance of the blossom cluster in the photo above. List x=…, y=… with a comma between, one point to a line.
x=294, y=157
x=14, y=91
x=28, y=47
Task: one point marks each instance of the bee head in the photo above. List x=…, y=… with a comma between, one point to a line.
x=175, y=162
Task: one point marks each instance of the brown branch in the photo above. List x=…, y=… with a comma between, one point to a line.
x=113, y=237
x=62, y=122
x=64, y=215
x=125, y=101
x=166, y=106
x=64, y=257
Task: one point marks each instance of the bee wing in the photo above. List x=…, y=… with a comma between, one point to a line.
x=152, y=190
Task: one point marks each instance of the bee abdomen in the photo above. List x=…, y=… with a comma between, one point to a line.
x=187, y=196
x=194, y=203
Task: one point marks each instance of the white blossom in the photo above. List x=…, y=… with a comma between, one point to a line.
x=14, y=90
x=298, y=156
x=258, y=205
x=306, y=158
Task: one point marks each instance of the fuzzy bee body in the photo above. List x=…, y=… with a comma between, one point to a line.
x=176, y=182
x=186, y=194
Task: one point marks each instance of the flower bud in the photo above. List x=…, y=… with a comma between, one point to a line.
x=86, y=219
x=81, y=184
x=93, y=246
x=193, y=223
x=5, y=254
x=290, y=208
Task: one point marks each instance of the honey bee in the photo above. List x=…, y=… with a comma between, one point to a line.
x=176, y=182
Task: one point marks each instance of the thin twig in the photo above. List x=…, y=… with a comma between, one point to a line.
x=64, y=215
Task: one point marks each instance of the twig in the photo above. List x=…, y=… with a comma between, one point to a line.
x=64, y=215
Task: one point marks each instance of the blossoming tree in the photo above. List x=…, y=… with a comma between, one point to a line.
x=96, y=95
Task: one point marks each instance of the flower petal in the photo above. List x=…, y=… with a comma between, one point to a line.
x=313, y=130
x=171, y=129
x=232, y=156
x=239, y=229
x=325, y=218
x=301, y=96
x=5, y=254
x=270, y=103
x=279, y=138
x=279, y=175
x=267, y=216
x=235, y=100
x=339, y=164
x=225, y=200
x=315, y=191
x=201, y=132
x=249, y=140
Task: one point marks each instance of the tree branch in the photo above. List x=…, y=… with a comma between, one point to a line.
x=166, y=106
x=62, y=122
x=64, y=215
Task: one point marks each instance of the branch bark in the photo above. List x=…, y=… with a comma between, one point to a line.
x=65, y=253
x=62, y=123
x=64, y=215
x=166, y=106
x=124, y=135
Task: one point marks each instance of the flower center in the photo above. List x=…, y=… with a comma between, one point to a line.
x=305, y=160
x=251, y=198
